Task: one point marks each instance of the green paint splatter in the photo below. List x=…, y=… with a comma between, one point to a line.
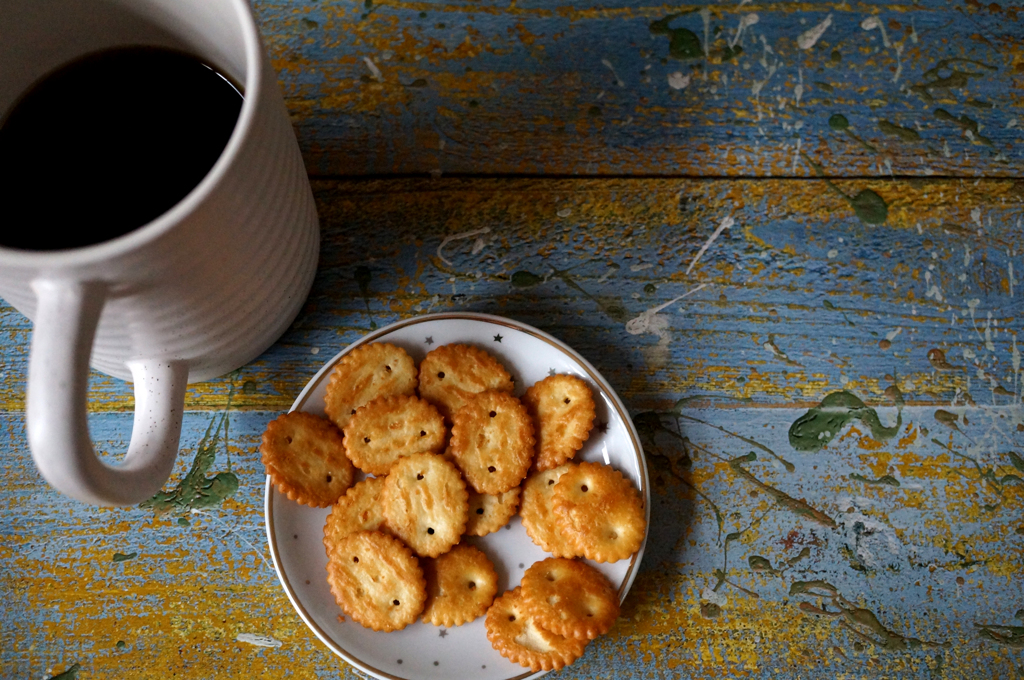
x=183, y=522
x=825, y=86
x=836, y=57
x=869, y=207
x=419, y=82
x=249, y=387
x=363, y=276
x=594, y=111
x=761, y=564
x=838, y=122
x=70, y=674
x=611, y=307
x=1017, y=461
x=785, y=463
x=423, y=15
x=120, y=644
x=948, y=419
x=965, y=123
x=525, y=279
x=799, y=507
x=123, y=557
x=832, y=308
x=473, y=103
x=978, y=104
x=884, y=480
x=893, y=130
x=308, y=23
x=816, y=428
x=650, y=288
x=955, y=79
x=1010, y=636
x=710, y=610
x=196, y=490
x=683, y=43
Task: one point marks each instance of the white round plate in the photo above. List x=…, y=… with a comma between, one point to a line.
x=423, y=651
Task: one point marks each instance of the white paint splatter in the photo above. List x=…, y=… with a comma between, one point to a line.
x=891, y=335
x=989, y=345
x=796, y=153
x=314, y=350
x=976, y=216
x=259, y=640
x=1012, y=123
x=726, y=222
x=871, y=23
x=705, y=15
x=564, y=212
x=811, y=36
x=932, y=288
x=899, y=63
x=677, y=81
x=618, y=80
x=833, y=254
x=913, y=31
x=457, y=237
x=746, y=21
x=641, y=267
x=713, y=597
x=1009, y=271
x=798, y=89
x=650, y=322
x=374, y=69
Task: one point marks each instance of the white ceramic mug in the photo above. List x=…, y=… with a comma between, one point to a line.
x=196, y=293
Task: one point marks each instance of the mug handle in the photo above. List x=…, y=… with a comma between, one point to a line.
x=66, y=317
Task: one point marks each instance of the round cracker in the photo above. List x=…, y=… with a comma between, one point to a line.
x=562, y=407
x=375, y=370
x=537, y=512
x=518, y=637
x=461, y=584
x=305, y=458
x=489, y=513
x=492, y=442
x=377, y=580
x=425, y=503
x=450, y=374
x=357, y=510
x=599, y=512
x=388, y=428
x=570, y=598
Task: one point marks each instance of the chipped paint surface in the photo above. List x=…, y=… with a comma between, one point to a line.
x=837, y=457
x=728, y=89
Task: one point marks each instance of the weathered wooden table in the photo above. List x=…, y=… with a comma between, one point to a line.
x=788, y=234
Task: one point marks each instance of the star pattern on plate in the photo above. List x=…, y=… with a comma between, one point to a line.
x=551, y=372
x=602, y=426
x=442, y=633
x=497, y=338
x=429, y=340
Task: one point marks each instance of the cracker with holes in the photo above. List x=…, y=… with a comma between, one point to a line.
x=492, y=441
x=357, y=510
x=304, y=456
x=388, y=428
x=425, y=503
x=562, y=407
x=461, y=584
x=599, y=512
x=451, y=374
x=519, y=638
x=537, y=512
x=364, y=374
x=489, y=513
x=377, y=580
x=570, y=598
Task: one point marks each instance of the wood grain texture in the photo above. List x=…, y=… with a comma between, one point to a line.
x=878, y=535
x=744, y=89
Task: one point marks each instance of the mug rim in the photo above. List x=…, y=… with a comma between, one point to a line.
x=138, y=237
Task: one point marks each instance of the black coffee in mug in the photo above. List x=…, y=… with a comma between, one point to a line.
x=107, y=143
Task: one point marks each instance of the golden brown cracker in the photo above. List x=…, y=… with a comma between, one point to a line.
x=450, y=374
x=489, y=513
x=570, y=598
x=537, y=512
x=357, y=510
x=492, y=441
x=377, y=580
x=305, y=458
x=562, y=407
x=461, y=585
x=425, y=503
x=388, y=428
x=375, y=370
x=519, y=638
x=599, y=512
